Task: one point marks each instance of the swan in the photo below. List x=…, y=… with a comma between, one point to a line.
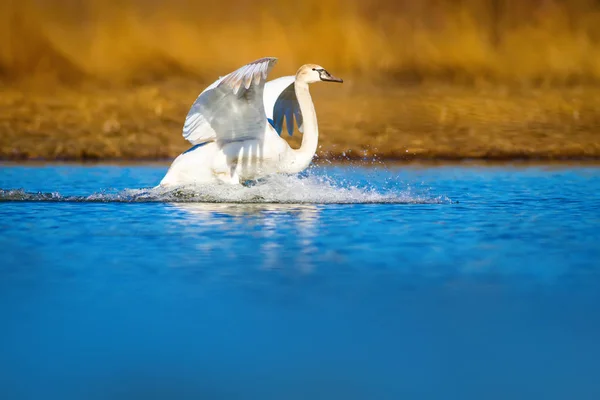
x=235, y=126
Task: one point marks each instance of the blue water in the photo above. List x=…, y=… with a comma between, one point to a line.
x=455, y=282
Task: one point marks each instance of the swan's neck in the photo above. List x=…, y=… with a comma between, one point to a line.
x=302, y=157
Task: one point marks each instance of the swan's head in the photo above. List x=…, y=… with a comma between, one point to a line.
x=311, y=73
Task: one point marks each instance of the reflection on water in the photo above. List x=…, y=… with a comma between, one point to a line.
x=267, y=218
x=263, y=210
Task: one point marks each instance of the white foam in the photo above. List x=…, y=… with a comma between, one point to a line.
x=277, y=189
x=282, y=189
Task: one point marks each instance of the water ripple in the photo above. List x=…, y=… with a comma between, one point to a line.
x=277, y=189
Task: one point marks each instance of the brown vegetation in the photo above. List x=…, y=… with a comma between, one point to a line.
x=509, y=40
x=423, y=122
x=98, y=79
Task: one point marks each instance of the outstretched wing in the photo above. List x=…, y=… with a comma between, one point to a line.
x=232, y=108
x=280, y=102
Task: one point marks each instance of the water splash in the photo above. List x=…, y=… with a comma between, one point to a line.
x=277, y=189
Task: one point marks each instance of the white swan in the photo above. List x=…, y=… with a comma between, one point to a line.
x=235, y=126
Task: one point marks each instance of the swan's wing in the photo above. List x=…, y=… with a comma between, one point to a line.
x=231, y=109
x=280, y=101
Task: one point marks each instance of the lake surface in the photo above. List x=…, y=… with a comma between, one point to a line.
x=454, y=282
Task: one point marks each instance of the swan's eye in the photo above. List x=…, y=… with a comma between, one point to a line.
x=314, y=69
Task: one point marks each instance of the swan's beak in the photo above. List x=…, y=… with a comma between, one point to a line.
x=331, y=78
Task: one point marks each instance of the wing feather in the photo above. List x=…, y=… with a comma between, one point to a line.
x=232, y=108
x=281, y=103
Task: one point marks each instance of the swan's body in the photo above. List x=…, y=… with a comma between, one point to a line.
x=235, y=126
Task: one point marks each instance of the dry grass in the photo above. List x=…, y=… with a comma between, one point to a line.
x=403, y=123
x=552, y=41
x=97, y=79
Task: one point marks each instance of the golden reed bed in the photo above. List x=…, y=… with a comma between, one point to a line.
x=442, y=79
x=402, y=123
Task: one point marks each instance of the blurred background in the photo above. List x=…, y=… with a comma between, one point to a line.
x=547, y=40
x=538, y=40
x=515, y=45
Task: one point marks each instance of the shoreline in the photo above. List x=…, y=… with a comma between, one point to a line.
x=357, y=122
x=412, y=163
